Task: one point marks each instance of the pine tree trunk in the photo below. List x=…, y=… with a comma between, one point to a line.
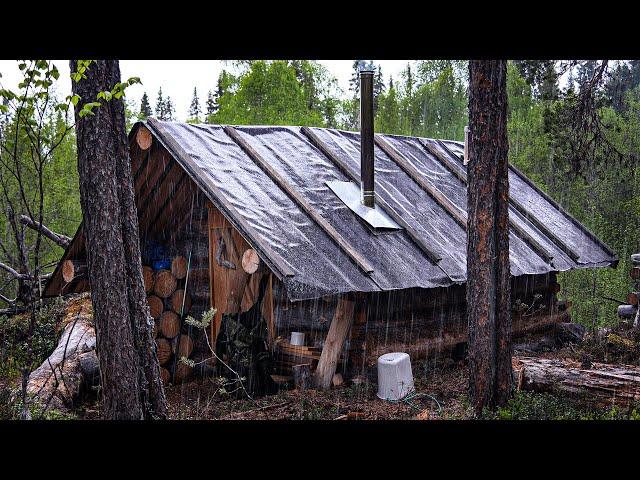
x=488, y=286
x=130, y=375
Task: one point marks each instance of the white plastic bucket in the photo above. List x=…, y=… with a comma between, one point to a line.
x=297, y=338
x=395, y=379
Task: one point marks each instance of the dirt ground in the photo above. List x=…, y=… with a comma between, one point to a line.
x=440, y=391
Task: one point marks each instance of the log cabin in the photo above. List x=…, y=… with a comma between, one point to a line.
x=362, y=238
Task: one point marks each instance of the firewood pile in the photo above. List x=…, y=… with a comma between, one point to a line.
x=168, y=305
x=630, y=311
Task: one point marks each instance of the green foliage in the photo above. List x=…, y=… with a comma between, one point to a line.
x=273, y=93
x=544, y=406
x=145, y=107
x=204, y=322
x=604, y=197
x=14, y=351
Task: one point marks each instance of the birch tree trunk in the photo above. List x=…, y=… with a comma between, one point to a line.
x=488, y=286
x=130, y=375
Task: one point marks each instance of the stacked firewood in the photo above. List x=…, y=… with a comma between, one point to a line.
x=168, y=304
x=629, y=311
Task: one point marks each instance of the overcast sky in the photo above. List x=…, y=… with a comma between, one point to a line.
x=178, y=77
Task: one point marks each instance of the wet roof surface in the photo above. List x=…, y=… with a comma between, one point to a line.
x=310, y=261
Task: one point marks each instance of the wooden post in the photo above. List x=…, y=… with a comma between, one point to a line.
x=340, y=325
x=301, y=376
x=268, y=313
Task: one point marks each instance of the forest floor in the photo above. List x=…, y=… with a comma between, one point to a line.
x=440, y=391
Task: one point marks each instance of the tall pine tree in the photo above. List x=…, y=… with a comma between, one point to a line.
x=145, y=108
x=194, y=108
x=160, y=105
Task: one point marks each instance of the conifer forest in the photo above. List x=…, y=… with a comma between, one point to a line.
x=458, y=240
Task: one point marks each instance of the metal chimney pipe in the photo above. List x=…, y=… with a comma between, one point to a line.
x=366, y=138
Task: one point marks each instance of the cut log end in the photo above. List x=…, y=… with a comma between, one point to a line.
x=163, y=348
x=169, y=324
x=177, y=299
x=149, y=279
x=250, y=261
x=182, y=346
x=144, y=138
x=635, y=273
x=156, y=307
x=165, y=284
x=179, y=267
x=72, y=269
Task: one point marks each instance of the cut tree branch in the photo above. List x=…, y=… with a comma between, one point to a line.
x=24, y=276
x=57, y=238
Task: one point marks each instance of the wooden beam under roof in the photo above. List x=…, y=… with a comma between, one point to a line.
x=458, y=215
x=331, y=232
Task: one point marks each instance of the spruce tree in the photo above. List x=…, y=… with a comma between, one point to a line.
x=160, y=105
x=194, y=108
x=145, y=108
x=378, y=88
x=212, y=105
x=169, y=110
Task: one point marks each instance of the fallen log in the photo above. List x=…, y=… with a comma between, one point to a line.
x=425, y=347
x=62, y=377
x=601, y=385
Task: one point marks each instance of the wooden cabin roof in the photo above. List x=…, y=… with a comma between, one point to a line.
x=271, y=184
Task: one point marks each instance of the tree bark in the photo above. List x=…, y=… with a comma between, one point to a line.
x=130, y=374
x=488, y=275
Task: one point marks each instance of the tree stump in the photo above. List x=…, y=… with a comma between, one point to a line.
x=301, y=376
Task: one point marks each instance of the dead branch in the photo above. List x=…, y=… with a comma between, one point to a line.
x=57, y=238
